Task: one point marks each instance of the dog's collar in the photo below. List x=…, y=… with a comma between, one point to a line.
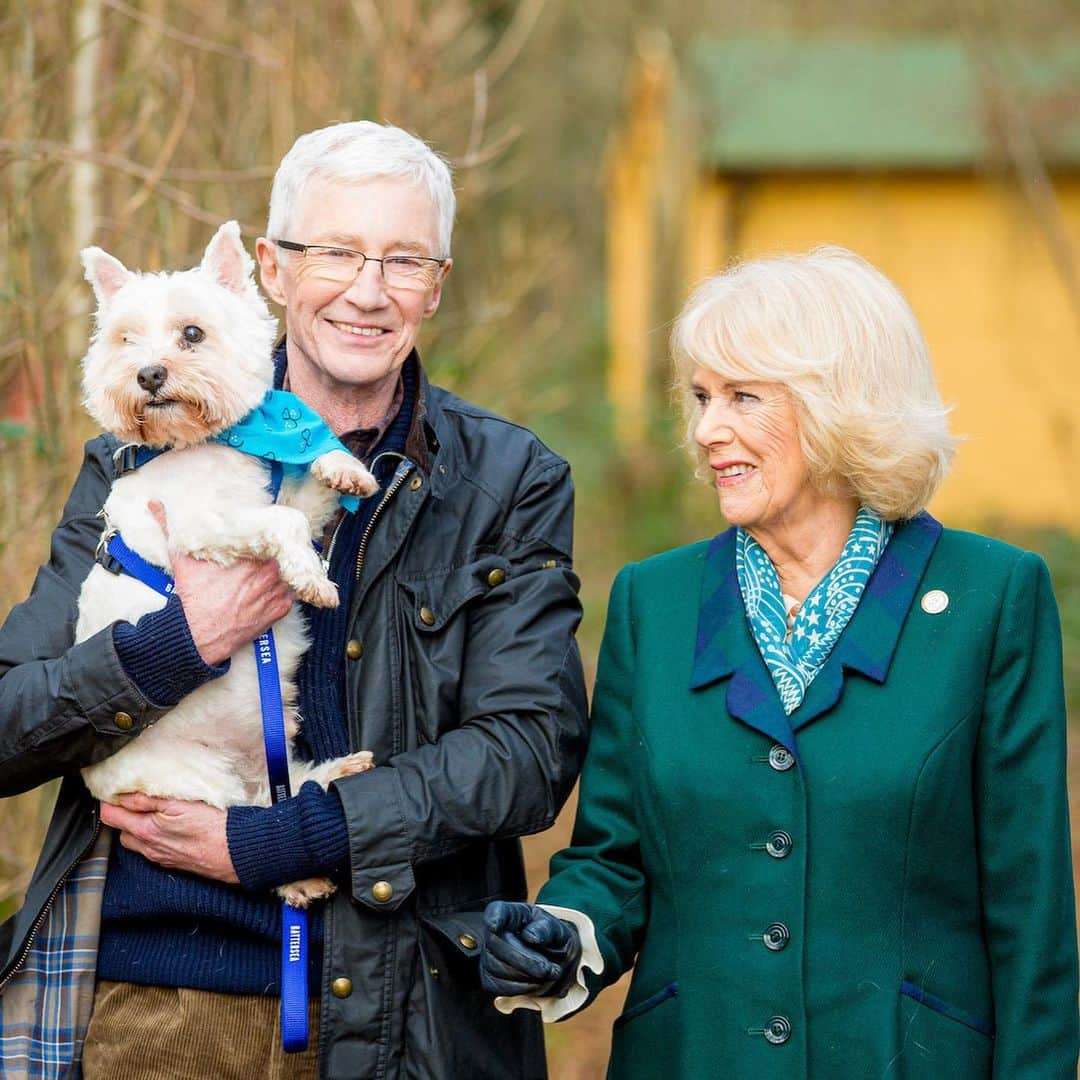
x=130, y=456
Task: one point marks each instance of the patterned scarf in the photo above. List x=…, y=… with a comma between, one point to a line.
x=794, y=663
x=282, y=428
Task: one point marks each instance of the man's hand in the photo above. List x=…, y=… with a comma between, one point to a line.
x=226, y=607
x=178, y=835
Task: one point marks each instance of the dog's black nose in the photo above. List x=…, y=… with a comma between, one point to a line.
x=152, y=376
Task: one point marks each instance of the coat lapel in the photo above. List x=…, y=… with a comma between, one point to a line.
x=725, y=647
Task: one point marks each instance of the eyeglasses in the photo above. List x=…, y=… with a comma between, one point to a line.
x=343, y=265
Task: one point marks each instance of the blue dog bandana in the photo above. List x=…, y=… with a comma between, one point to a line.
x=283, y=429
x=795, y=663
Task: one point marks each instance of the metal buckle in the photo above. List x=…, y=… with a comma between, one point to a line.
x=101, y=552
x=124, y=458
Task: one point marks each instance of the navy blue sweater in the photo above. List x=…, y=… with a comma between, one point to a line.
x=166, y=928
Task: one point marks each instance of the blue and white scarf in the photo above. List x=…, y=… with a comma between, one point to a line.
x=795, y=662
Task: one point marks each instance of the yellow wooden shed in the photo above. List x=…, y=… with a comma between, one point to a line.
x=954, y=167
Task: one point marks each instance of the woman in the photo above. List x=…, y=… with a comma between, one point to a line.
x=823, y=813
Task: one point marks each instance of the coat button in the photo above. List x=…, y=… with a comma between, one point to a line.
x=427, y=616
x=354, y=649
x=342, y=987
x=776, y=936
x=496, y=576
x=124, y=721
x=778, y=844
x=382, y=891
x=777, y=1030
x=416, y=483
x=935, y=601
x=781, y=758
x=467, y=941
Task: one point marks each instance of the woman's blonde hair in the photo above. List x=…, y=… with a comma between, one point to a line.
x=848, y=349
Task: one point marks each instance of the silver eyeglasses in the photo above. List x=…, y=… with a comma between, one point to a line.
x=342, y=265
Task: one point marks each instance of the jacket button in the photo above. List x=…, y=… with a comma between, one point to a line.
x=776, y=936
x=777, y=1030
x=781, y=758
x=496, y=576
x=342, y=987
x=467, y=941
x=778, y=844
x=354, y=649
x=382, y=891
x=416, y=483
x=427, y=616
x=124, y=721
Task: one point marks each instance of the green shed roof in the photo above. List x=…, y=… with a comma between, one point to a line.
x=884, y=103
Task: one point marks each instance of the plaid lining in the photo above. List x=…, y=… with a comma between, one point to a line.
x=46, y=1005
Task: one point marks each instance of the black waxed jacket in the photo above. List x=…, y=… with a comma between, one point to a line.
x=468, y=690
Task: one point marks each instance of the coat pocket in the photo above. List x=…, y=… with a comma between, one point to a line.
x=452, y=1026
x=938, y=1038
x=642, y=1007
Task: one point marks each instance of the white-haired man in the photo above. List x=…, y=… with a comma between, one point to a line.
x=451, y=657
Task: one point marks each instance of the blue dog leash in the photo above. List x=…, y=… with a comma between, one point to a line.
x=294, y=924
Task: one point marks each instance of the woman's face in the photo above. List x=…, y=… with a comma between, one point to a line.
x=749, y=436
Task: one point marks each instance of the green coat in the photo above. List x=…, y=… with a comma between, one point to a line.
x=879, y=885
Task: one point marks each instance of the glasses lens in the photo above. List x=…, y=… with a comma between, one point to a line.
x=334, y=264
x=402, y=272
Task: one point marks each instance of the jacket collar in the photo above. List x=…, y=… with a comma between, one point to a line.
x=725, y=646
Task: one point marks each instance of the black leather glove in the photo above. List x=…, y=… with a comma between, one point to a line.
x=527, y=950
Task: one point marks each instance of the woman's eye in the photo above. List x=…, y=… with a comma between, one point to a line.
x=701, y=398
x=193, y=335
x=742, y=397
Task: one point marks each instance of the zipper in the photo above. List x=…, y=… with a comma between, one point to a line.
x=403, y=471
x=48, y=904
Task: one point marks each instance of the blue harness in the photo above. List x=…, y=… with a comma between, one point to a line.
x=294, y=927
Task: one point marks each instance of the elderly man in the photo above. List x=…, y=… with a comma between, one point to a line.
x=451, y=658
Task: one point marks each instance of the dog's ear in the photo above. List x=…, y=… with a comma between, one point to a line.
x=225, y=259
x=106, y=274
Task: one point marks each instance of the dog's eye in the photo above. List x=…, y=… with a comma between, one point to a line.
x=193, y=335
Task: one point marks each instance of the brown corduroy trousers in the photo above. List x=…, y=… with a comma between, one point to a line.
x=143, y=1032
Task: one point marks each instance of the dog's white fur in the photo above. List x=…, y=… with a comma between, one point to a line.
x=210, y=746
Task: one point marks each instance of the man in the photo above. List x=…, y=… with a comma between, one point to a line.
x=451, y=658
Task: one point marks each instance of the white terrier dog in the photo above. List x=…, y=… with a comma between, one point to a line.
x=177, y=359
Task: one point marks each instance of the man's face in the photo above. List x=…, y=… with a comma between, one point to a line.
x=353, y=336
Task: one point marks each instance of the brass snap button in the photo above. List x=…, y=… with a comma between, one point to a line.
x=416, y=483
x=341, y=987
x=467, y=941
x=382, y=891
x=548, y=564
x=124, y=721
x=427, y=616
x=496, y=576
x=354, y=649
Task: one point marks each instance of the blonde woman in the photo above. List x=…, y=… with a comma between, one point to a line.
x=823, y=814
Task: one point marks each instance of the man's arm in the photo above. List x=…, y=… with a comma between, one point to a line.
x=510, y=765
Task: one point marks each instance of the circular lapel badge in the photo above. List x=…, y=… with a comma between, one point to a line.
x=935, y=602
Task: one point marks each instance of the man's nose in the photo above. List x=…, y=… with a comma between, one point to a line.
x=367, y=289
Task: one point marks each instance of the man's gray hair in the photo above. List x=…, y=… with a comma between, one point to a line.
x=356, y=151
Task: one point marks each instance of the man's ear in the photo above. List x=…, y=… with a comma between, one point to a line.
x=269, y=270
x=225, y=259
x=106, y=274
x=436, y=293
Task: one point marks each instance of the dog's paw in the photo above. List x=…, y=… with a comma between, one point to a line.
x=342, y=472
x=351, y=764
x=300, y=894
x=318, y=592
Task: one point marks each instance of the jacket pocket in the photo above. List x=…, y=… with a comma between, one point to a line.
x=452, y=1026
x=939, y=1039
x=642, y=1007
x=961, y=1016
x=436, y=597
